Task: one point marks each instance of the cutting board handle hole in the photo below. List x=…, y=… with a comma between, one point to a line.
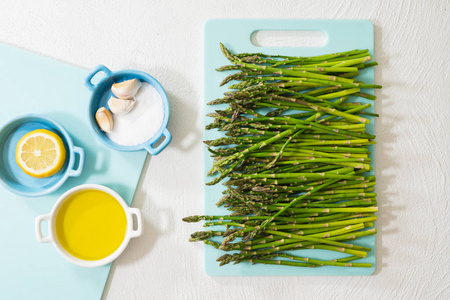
x=289, y=38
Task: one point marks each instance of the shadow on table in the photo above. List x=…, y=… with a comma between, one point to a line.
x=386, y=158
x=185, y=134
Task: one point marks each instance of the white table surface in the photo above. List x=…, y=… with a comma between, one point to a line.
x=165, y=39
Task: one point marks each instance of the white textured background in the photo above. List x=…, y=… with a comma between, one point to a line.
x=165, y=38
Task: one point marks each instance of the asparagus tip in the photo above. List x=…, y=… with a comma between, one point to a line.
x=192, y=219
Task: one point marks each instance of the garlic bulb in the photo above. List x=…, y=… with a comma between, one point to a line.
x=126, y=89
x=104, y=119
x=120, y=106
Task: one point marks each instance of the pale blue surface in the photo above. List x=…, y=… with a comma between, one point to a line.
x=29, y=270
x=101, y=93
x=14, y=178
x=342, y=35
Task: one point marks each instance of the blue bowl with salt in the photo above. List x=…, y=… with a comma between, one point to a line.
x=101, y=93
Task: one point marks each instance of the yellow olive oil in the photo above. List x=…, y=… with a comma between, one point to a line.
x=91, y=225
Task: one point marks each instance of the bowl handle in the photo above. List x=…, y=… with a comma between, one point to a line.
x=99, y=68
x=37, y=224
x=77, y=172
x=138, y=231
x=155, y=151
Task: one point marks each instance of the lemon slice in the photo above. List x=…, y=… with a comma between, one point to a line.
x=40, y=153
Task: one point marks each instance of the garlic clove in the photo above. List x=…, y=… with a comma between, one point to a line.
x=120, y=106
x=126, y=89
x=104, y=119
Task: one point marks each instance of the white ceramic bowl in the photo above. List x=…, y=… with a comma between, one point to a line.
x=51, y=220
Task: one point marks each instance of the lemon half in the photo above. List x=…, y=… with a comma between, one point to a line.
x=40, y=153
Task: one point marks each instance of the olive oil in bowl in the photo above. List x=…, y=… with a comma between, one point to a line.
x=91, y=225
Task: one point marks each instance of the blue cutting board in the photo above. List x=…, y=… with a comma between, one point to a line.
x=29, y=270
x=235, y=35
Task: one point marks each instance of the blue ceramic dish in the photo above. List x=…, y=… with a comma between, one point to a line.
x=101, y=92
x=11, y=175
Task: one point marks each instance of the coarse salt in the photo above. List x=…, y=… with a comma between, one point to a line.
x=142, y=122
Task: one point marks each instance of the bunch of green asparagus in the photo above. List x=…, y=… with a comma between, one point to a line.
x=294, y=160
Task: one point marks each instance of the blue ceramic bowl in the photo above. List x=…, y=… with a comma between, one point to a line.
x=13, y=178
x=101, y=92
